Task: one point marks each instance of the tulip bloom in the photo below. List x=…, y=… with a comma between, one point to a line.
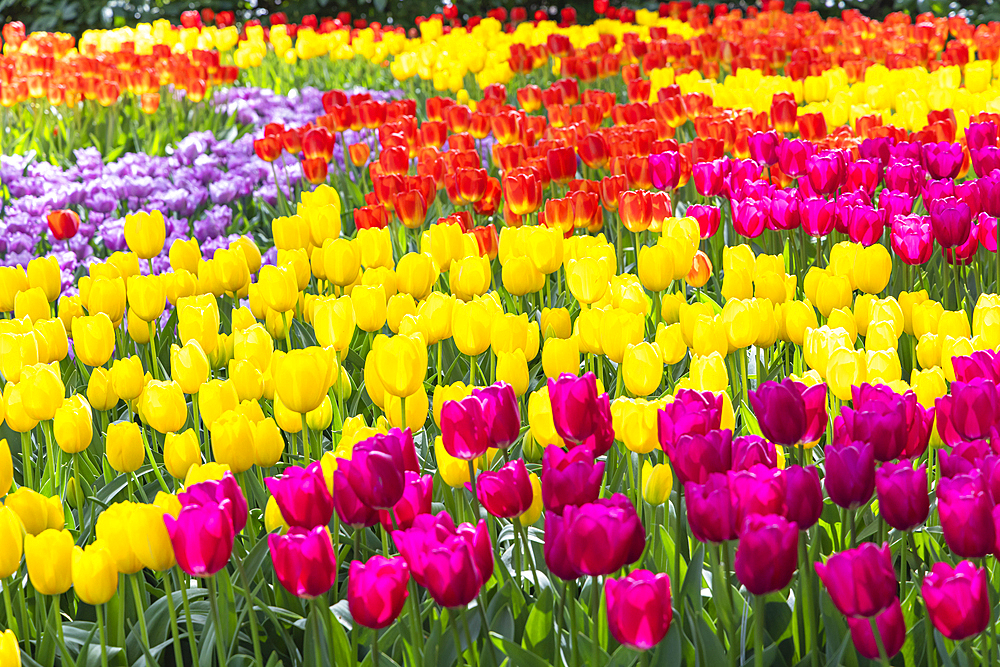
x=202, y=538
x=501, y=414
x=767, y=554
x=416, y=500
x=570, y=478
x=639, y=608
x=451, y=562
x=790, y=413
x=464, y=429
x=802, y=484
x=507, y=492
x=610, y=522
x=850, y=473
x=891, y=628
x=966, y=516
x=302, y=496
x=759, y=490
x=860, y=581
x=579, y=414
x=49, y=559
x=351, y=510
x=957, y=599
x=304, y=561
x=697, y=456
x=376, y=590
x=711, y=513
x=211, y=492
x=63, y=224
x=969, y=412
x=377, y=468
x=902, y=495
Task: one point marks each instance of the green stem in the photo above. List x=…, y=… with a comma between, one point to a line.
x=104, y=636
x=595, y=613
x=758, y=630
x=468, y=636
x=570, y=598
x=251, y=612
x=475, y=496
x=187, y=616
x=878, y=641
x=375, y=648
x=216, y=621
x=453, y=622
x=168, y=590
x=415, y=624
x=139, y=607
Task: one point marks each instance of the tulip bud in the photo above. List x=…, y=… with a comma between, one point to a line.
x=49, y=559
x=95, y=577
x=123, y=447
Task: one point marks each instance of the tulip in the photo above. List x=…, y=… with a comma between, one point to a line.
x=303, y=496
x=36, y=511
x=377, y=468
x=850, y=473
x=11, y=542
x=966, y=518
x=690, y=413
x=416, y=500
x=202, y=538
x=767, y=554
x=42, y=391
x=957, y=599
x=969, y=412
x=902, y=495
x=570, y=478
x=163, y=407
x=145, y=233
x=148, y=537
x=759, y=490
x=802, y=484
x=95, y=577
x=639, y=608
x=214, y=491
x=10, y=653
x=376, y=591
x=711, y=513
x=581, y=416
x=891, y=628
x=124, y=447
x=507, y=492
x=351, y=510
x=750, y=450
x=789, y=413
x=451, y=562
x=73, y=425
x=612, y=522
x=49, y=558
x=304, y=561
x=401, y=364
x=696, y=456
x=464, y=430
x=303, y=379
x=860, y=581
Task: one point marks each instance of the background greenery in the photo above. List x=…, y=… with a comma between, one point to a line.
x=75, y=16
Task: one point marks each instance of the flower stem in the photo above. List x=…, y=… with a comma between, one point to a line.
x=168, y=591
x=758, y=630
x=375, y=648
x=104, y=636
x=251, y=612
x=595, y=612
x=187, y=615
x=878, y=641
x=570, y=598
x=475, y=495
x=139, y=608
x=216, y=620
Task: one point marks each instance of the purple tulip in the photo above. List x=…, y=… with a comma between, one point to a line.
x=351, y=510
x=850, y=473
x=377, y=469
x=711, y=513
x=789, y=413
x=877, y=149
x=967, y=457
x=464, y=431
x=507, y=492
x=304, y=561
x=966, y=516
x=750, y=450
x=826, y=172
x=202, y=537
x=451, y=562
x=980, y=364
x=610, y=522
x=860, y=581
x=555, y=547
x=891, y=629
x=690, y=413
x=302, y=496
x=213, y=492
x=417, y=496
x=695, y=457
x=986, y=231
x=570, y=478
x=895, y=204
x=981, y=135
x=767, y=555
x=759, y=490
x=501, y=413
x=970, y=412
x=376, y=591
x=580, y=416
x=665, y=170
x=865, y=225
x=905, y=176
x=918, y=420
x=943, y=159
x=957, y=599
x=802, y=484
x=880, y=422
x=902, y=495
x=951, y=221
x=985, y=159
x=639, y=608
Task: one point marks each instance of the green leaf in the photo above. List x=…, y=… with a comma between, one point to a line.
x=522, y=658
x=538, y=637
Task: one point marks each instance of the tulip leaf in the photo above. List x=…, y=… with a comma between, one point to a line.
x=624, y=657
x=538, y=637
x=522, y=658
x=692, y=578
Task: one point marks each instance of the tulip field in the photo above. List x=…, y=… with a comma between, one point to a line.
x=671, y=338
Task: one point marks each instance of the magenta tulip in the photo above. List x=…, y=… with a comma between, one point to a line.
x=610, y=522
x=695, y=457
x=690, y=413
x=767, y=555
x=709, y=218
x=554, y=549
x=750, y=216
x=951, y=221
x=792, y=156
x=759, y=490
x=202, y=537
x=905, y=176
x=377, y=470
x=969, y=412
x=570, y=478
x=213, y=492
x=581, y=417
x=966, y=516
x=881, y=423
x=817, y=215
x=507, y=492
x=764, y=147
x=302, y=496
x=802, y=484
x=860, y=581
x=711, y=513
x=709, y=177
x=639, y=608
x=912, y=239
x=942, y=159
x=501, y=414
x=751, y=450
x=418, y=494
x=902, y=495
x=464, y=432
x=891, y=629
x=957, y=599
x=789, y=412
x=304, y=561
x=850, y=473
x=351, y=510
x=376, y=591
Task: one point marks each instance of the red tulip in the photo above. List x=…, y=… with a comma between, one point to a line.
x=63, y=224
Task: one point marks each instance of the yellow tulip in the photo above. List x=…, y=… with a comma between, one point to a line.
x=95, y=577
x=49, y=558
